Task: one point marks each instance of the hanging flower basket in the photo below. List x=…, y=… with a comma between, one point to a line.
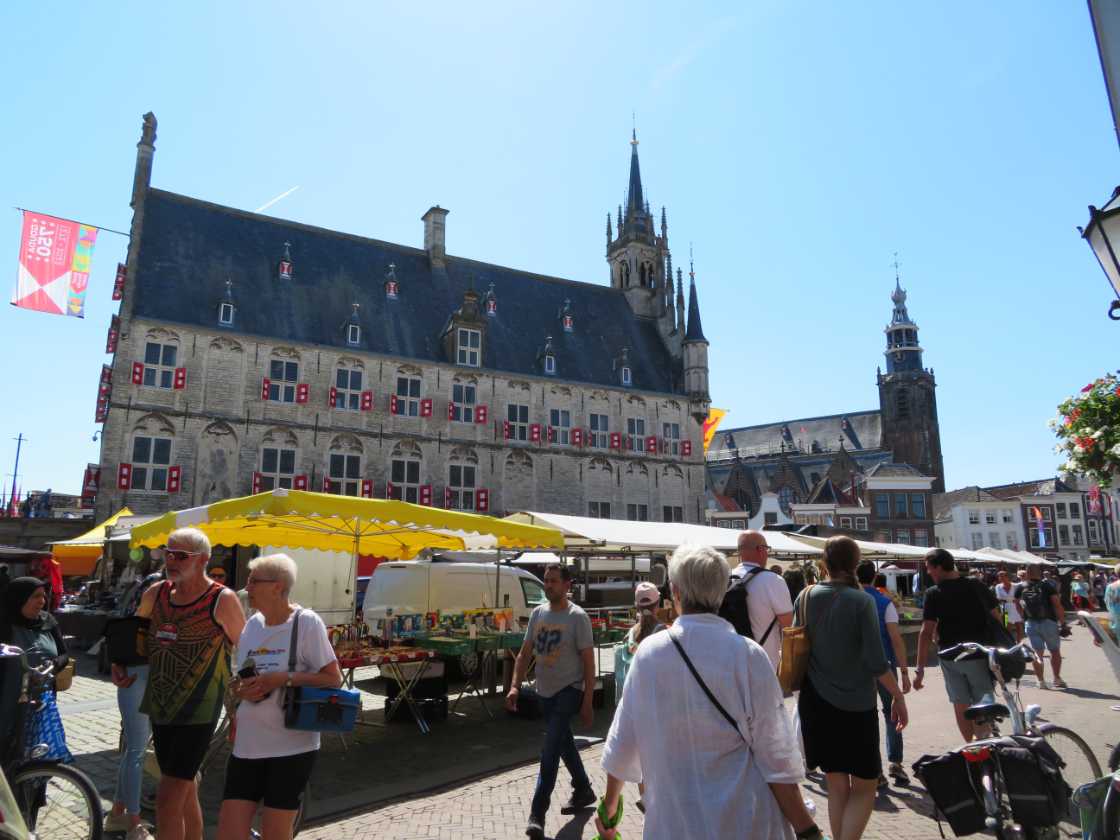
x=1088, y=430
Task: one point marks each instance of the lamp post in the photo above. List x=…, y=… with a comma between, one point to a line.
x=1103, y=235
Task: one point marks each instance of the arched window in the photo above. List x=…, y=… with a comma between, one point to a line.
x=462, y=479
x=344, y=467
x=161, y=357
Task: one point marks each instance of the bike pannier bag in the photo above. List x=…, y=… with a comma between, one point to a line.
x=1036, y=791
x=948, y=780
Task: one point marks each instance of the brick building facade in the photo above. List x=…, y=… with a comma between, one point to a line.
x=252, y=353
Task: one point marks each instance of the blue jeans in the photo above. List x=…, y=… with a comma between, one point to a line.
x=558, y=744
x=894, y=737
x=136, y=730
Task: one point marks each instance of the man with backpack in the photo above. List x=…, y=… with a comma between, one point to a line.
x=770, y=607
x=1038, y=600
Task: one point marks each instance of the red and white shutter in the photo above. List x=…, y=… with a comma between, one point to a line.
x=124, y=476
x=535, y=432
x=388, y=489
x=447, y=496
x=616, y=440
x=450, y=410
x=174, y=479
x=392, y=403
x=180, y=378
x=367, y=488
x=426, y=407
x=256, y=483
x=686, y=448
x=326, y=484
x=367, y=400
x=577, y=437
x=551, y=434
x=137, y=373
x=303, y=391
x=651, y=444
x=264, y=387
x=332, y=395
x=118, y=282
x=480, y=414
x=299, y=482
x=505, y=429
x=482, y=500
x=426, y=494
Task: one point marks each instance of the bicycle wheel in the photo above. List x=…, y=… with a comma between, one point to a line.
x=58, y=802
x=1082, y=766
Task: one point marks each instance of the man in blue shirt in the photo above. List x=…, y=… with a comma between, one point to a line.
x=895, y=650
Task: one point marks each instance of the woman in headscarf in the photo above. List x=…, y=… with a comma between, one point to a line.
x=26, y=624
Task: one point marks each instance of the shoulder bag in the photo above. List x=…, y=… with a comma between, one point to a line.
x=793, y=661
x=317, y=709
x=703, y=685
x=995, y=634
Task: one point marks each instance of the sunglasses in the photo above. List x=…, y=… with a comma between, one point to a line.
x=178, y=555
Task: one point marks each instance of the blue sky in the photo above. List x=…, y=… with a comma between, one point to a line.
x=796, y=146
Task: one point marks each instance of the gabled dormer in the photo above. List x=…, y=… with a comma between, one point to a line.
x=464, y=336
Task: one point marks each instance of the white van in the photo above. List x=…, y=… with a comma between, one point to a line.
x=423, y=586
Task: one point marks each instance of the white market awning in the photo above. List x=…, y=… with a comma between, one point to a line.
x=587, y=535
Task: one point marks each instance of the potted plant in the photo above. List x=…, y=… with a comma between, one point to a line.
x=1088, y=430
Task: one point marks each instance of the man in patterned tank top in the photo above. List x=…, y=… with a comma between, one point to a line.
x=195, y=621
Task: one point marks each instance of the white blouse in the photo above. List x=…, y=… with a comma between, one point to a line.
x=702, y=779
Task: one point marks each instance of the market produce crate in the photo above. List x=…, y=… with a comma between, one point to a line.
x=446, y=645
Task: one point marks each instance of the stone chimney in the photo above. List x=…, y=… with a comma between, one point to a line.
x=435, y=230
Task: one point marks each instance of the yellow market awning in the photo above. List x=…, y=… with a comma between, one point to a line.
x=79, y=555
x=381, y=527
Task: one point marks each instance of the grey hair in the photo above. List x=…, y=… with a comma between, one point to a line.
x=280, y=566
x=192, y=539
x=700, y=575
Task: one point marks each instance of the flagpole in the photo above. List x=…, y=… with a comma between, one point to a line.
x=15, y=472
x=76, y=221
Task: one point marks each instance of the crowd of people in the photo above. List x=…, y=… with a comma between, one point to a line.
x=701, y=726
x=195, y=655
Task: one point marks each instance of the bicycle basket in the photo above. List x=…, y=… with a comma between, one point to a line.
x=948, y=780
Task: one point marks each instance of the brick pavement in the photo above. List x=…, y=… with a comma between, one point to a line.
x=495, y=804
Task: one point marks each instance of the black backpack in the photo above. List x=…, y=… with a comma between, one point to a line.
x=734, y=606
x=1036, y=601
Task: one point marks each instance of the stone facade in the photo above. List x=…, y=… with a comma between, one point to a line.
x=192, y=419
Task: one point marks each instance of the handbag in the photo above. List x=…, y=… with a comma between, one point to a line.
x=793, y=661
x=317, y=709
x=65, y=678
x=703, y=685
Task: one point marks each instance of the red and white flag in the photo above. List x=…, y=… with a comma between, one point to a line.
x=54, y=263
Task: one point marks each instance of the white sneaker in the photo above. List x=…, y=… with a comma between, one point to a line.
x=138, y=832
x=115, y=823
x=1043, y=685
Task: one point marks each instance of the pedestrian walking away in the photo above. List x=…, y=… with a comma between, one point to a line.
x=194, y=623
x=956, y=610
x=757, y=602
x=1040, y=602
x=1004, y=590
x=559, y=636
x=271, y=764
x=895, y=650
x=701, y=721
x=838, y=697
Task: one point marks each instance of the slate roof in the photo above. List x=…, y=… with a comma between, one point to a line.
x=1042, y=487
x=190, y=247
x=944, y=502
x=695, y=331
x=891, y=470
x=864, y=430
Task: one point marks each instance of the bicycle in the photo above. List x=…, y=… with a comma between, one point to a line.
x=56, y=801
x=1078, y=763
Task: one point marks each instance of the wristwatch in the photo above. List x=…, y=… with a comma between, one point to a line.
x=288, y=684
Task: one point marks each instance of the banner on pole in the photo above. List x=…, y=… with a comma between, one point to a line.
x=90, y=482
x=711, y=423
x=54, y=263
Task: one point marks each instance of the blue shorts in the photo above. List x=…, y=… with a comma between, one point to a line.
x=1043, y=633
x=967, y=681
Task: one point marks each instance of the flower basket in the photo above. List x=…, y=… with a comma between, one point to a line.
x=1088, y=430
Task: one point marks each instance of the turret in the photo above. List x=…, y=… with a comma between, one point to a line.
x=695, y=354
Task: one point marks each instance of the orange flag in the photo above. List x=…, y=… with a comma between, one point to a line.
x=715, y=415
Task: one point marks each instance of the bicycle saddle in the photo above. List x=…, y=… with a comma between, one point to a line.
x=987, y=710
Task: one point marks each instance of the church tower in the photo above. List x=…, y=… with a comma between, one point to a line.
x=907, y=402
x=638, y=256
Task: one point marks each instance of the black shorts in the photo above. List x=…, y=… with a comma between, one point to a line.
x=180, y=749
x=274, y=782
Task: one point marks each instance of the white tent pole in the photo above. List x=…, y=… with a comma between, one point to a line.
x=353, y=581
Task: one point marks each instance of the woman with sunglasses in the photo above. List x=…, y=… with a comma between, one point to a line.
x=271, y=764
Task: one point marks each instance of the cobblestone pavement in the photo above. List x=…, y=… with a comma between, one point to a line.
x=495, y=804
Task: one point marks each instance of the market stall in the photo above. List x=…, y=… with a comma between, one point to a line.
x=79, y=556
x=396, y=530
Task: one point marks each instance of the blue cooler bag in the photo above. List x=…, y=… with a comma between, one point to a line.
x=317, y=709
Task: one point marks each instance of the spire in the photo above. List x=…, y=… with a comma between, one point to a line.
x=610, y=235
x=634, y=200
x=695, y=331
x=680, y=302
x=664, y=225
x=669, y=280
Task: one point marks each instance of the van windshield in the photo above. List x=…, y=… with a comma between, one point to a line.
x=534, y=592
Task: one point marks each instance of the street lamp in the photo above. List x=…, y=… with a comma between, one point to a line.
x=1103, y=236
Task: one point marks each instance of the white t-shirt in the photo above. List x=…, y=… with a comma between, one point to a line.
x=1006, y=598
x=767, y=596
x=260, y=726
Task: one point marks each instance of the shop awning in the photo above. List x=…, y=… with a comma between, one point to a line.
x=79, y=555
x=381, y=527
x=587, y=535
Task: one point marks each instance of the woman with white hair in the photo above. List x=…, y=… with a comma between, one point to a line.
x=701, y=722
x=270, y=764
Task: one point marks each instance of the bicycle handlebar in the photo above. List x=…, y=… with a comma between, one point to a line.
x=975, y=650
x=44, y=671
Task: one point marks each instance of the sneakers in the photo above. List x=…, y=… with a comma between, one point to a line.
x=580, y=799
x=1043, y=685
x=883, y=783
x=116, y=823
x=535, y=829
x=896, y=772
x=1060, y=683
x=138, y=832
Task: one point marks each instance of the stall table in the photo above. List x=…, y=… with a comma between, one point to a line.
x=388, y=662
